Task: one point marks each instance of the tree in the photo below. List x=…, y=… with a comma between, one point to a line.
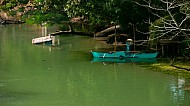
x=99, y=13
x=173, y=21
x=132, y=17
x=47, y=11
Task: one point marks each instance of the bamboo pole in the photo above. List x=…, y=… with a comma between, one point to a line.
x=134, y=36
x=115, y=39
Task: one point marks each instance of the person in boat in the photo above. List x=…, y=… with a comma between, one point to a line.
x=129, y=42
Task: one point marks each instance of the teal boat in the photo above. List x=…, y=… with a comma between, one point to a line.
x=124, y=54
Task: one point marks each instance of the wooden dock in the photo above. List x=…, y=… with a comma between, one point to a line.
x=45, y=39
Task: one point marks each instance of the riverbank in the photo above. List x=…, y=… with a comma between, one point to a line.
x=180, y=68
x=167, y=68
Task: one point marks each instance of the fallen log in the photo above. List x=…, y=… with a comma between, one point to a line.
x=107, y=31
x=180, y=67
x=1, y=20
x=13, y=22
x=103, y=33
x=72, y=32
x=120, y=38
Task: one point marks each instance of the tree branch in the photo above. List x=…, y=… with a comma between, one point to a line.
x=149, y=6
x=167, y=24
x=187, y=17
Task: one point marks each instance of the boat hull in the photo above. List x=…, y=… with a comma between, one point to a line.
x=124, y=60
x=123, y=54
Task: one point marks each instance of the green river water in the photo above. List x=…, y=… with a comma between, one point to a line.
x=63, y=74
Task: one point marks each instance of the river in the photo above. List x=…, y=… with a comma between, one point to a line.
x=63, y=74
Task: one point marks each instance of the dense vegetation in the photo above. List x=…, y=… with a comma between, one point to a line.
x=152, y=19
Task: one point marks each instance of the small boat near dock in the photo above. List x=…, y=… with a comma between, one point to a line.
x=40, y=40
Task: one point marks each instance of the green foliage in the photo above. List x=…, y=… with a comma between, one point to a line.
x=185, y=45
x=154, y=28
x=12, y=13
x=64, y=27
x=47, y=11
x=133, y=17
x=185, y=8
x=23, y=1
x=21, y=9
x=39, y=1
x=8, y=6
x=98, y=12
x=37, y=17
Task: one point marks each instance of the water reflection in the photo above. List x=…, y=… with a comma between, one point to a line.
x=177, y=91
x=55, y=40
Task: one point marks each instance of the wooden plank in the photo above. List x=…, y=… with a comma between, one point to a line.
x=41, y=40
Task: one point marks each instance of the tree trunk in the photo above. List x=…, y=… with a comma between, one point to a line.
x=103, y=33
x=1, y=20
x=107, y=31
x=72, y=32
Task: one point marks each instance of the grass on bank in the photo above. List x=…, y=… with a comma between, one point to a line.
x=166, y=67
